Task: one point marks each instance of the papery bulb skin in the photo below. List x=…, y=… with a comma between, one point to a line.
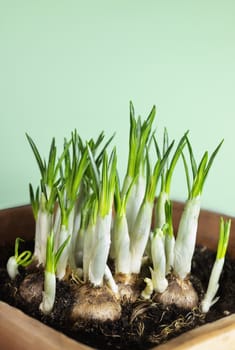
x=179, y=292
x=95, y=304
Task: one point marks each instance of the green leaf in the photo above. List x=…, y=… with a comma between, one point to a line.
x=61, y=158
x=25, y=258
x=165, y=141
x=99, y=158
x=103, y=205
x=93, y=206
x=132, y=144
x=154, y=177
x=187, y=174
x=174, y=161
x=192, y=159
x=138, y=139
x=50, y=256
x=34, y=200
x=112, y=174
x=50, y=175
x=60, y=251
x=53, y=257
x=37, y=155
x=17, y=243
x=159, y=156
x=225, y=227
x=50, y=203
x=79, y=173
x=63, y=207
x=199, y=173
x=169, y=218
x=212, y=159
x=200, y=177
x=143, y=137
x=94, y=172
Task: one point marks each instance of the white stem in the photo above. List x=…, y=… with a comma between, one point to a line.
x=169, y=251
x=76, y=224
x=186, y=238
x=89, y=241
x=79, y=247
x=48, y=295
x=100, y=249
x=65, y=232
x=158, y=272
x=135, y=200
x=110, y=280
x=160, y=209
x=56, y=226
x=148, y=247
x=62, y=263
x=159, y=281
x=12, y=267
x=112, y=250
x=121, y=243
x=74, y=238
x=213, y=286
x=139, y=236
x=43, y=229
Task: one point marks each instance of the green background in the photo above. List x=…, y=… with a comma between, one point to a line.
x=77, y=64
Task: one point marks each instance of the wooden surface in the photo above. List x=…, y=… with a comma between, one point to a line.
x=20, y=332
x=16, y=222
x=219, y=335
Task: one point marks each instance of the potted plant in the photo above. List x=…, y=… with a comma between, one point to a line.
x=20, y=331
x=113, y=247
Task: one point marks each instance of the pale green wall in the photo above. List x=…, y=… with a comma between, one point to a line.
x=76, y=64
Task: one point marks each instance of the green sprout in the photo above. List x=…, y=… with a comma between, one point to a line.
x=52, y=259
x=213, y=285
x=186, y=236
x=23, y=259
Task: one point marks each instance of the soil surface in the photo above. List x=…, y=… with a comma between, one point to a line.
x=142, y=325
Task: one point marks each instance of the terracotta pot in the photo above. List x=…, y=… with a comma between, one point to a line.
x=19, y=331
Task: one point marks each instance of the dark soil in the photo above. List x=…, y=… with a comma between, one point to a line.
x=142, y=325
